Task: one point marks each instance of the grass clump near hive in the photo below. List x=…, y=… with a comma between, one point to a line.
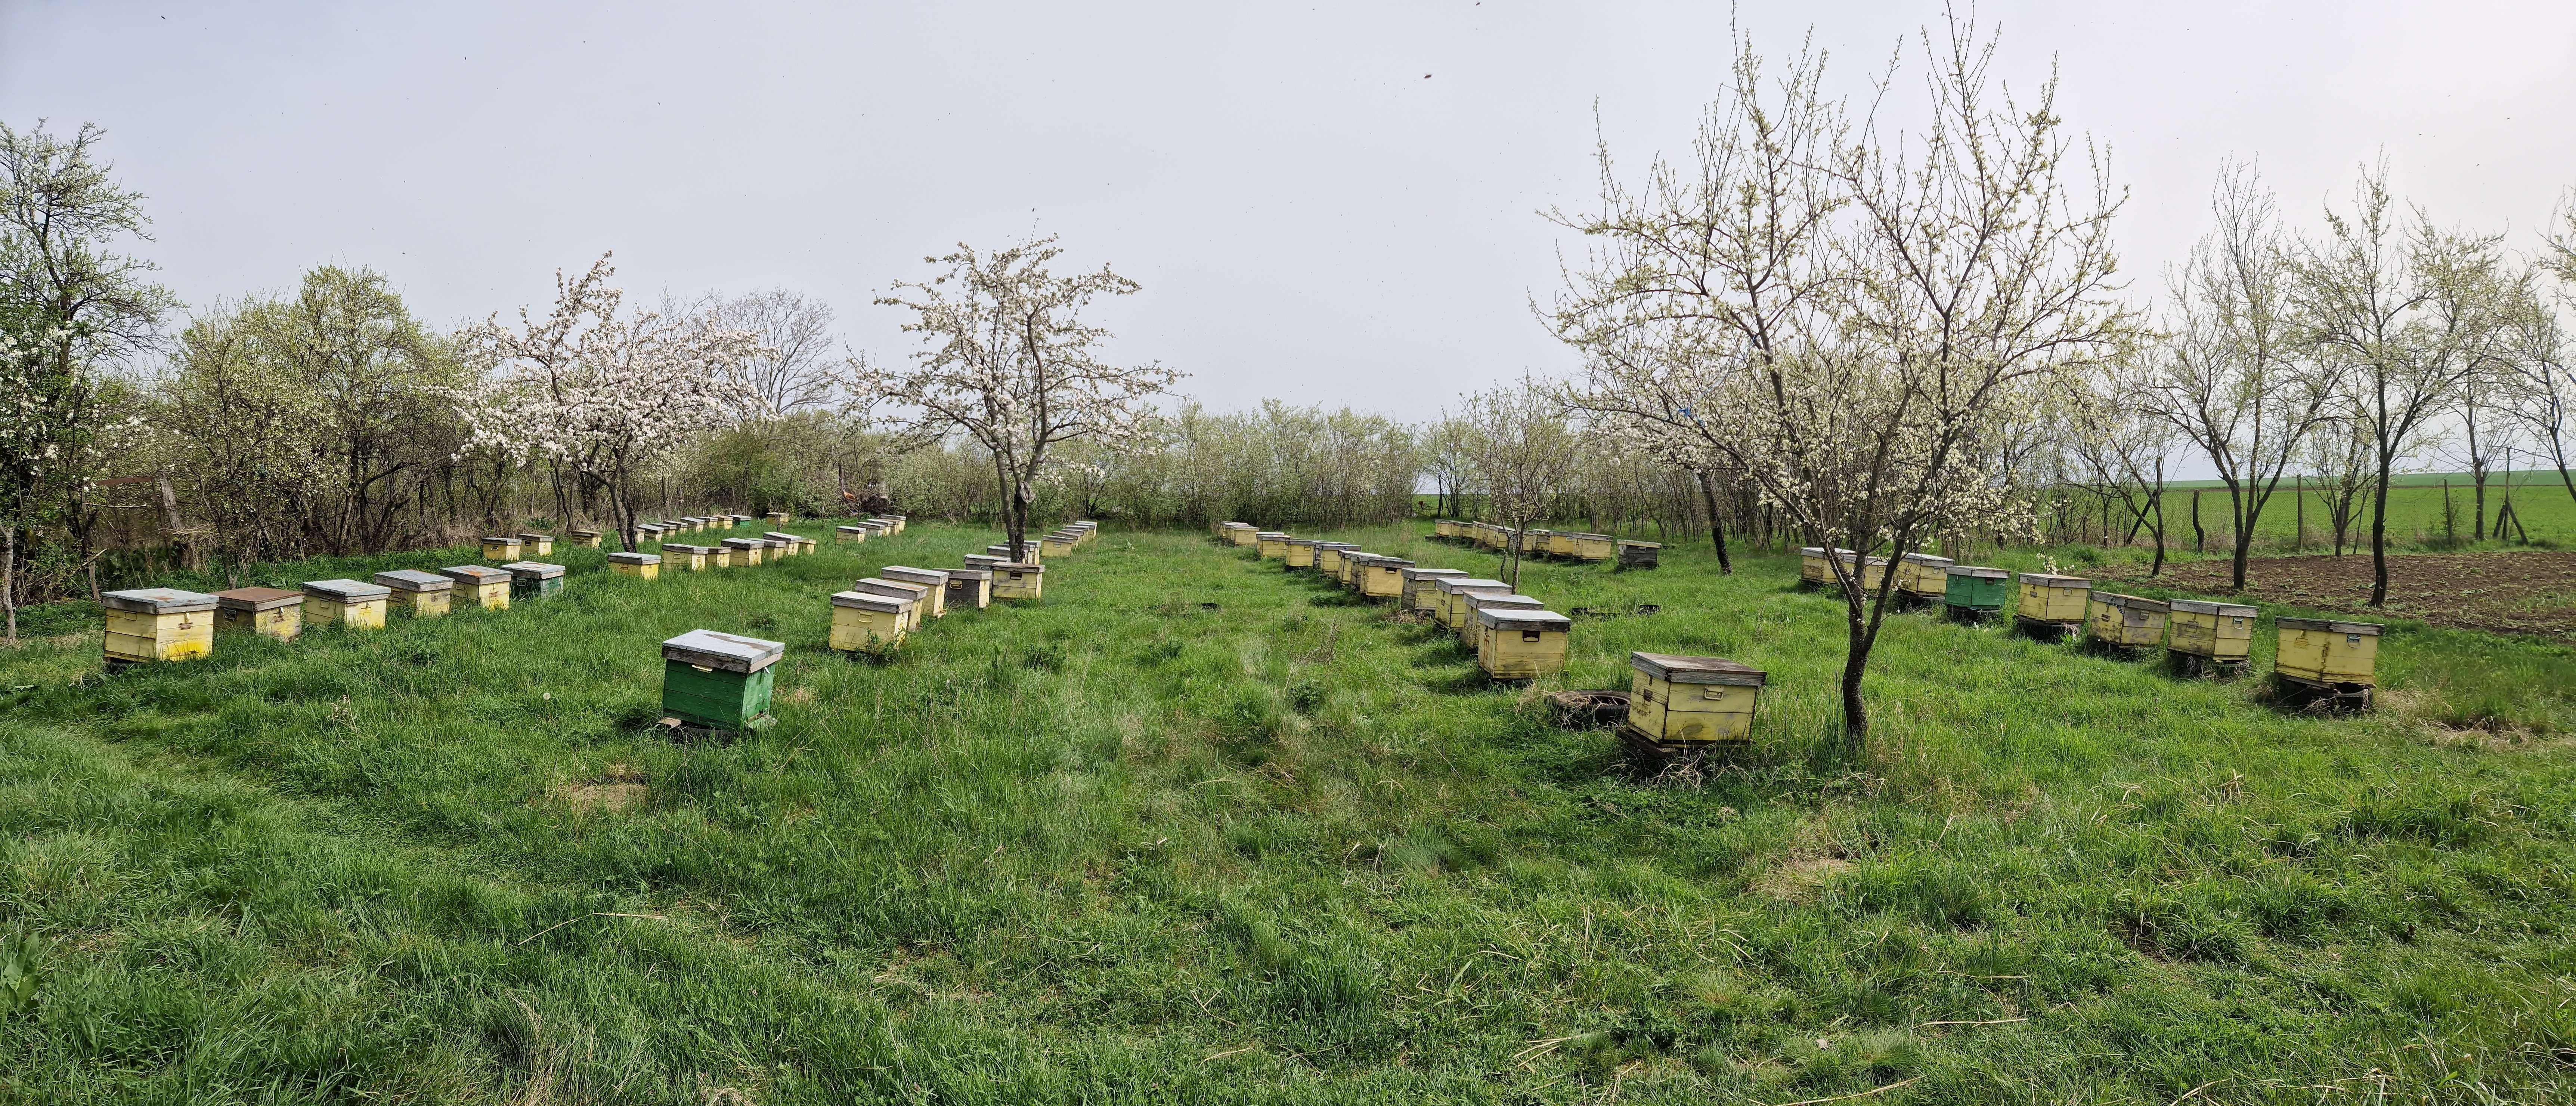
x=270, y=612
x=148, y=625
x=718, y=681
x=416, y=593
x=646, y=566
x=534, y=579
x=354, y=604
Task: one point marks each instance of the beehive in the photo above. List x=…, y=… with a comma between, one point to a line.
x=969, y=589
x=1471, y=632
x=2219, y=632
x=355, y=604
x=482, y=585
x=1873, y=572
x=1383, y=577
x=1975, y=589
x=720, y=556
x=1328, y=556
x=2051, y=598
x=276, y=612
x=850, y=533
x=781, y=544
x=1444, y=528
x=1452, y=607
x=720, y=522
x=935, y=603
x=746, y=551
x=157, y=624
x=587, y=539
x=1534, y=541
x=1521, y=645
x=1815, y=568
x=895, y=521
x=648, y=533
x=1271, y=544
x=806, y=545
x=2327, y=652
x=1418, y=593
x=686, y=558
x=1018, y=581
x=1028, y=549
x=1056, y=545
x=914, y=597
x=536, y=545
x=1346, y=567
x=501, y=549
x=1691, y=701
x=645, y=565
x=1243, y=533
x=1639, y=554
x=983, y=561
x=1298, y=553
x=534, y=579
x=2125, y=621
x=719, y=681
x=1594, y=547
x=1924, y=577
x=778, y=518
x=418, y=594
x=865, y=621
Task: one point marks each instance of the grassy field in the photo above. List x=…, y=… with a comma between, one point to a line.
x=1194, y=829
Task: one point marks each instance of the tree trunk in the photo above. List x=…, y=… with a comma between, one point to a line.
x=2199, y=537
x=2379, y=534
x=2298, y=541
x=9, y=576
x=2157, y=569
x=1716, y=525
x=1855, y=663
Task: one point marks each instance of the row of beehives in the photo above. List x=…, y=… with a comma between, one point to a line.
x=1513, y=636
x=511, y=547
x=168, y=624
x=2320, y=655
x=1571, y=545
x=878, y=612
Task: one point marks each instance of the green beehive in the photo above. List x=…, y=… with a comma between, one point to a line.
x=718, y=681
x=1976, y=591
x=534, y=579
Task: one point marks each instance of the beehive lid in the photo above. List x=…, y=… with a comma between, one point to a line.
x=2133, y=602
x=723, y=652
x=502, y=539
x=1017, y=569
x=984, y=574
x=898, y=518
x=774, y=535
x=1979, y=572
x=1501, y=618
x=1336, y=545
x=1303, y=541
x=2212, y=607
x=1803, y=551
x=1631, y=543
x=474, y=574
x=1504, y=602
x=978, y=560
x=851, y=529
x=157, y=601
x=1398, y=563
x=256, y=599
x=1697, y=670
x=882, y=586
x=1417, y=572
x=635, y=558
x=647, y=528
x=536, y=537
x=2329, y=625
x=537, y=569
x=930, y=576
x=1587, y=537
x=1928, y=559
x=2046, y=580
x=583, y=533
x=694, y=519
x=346, y=591
x=869, y=601
x=412, y=579
x=676, y=547
x=1238, y=526
x=998, y=550
x=1470, y=584
x=745, y=543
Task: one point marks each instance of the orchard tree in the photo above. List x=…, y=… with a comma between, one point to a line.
x=2542, y=359
x=609, y=398
x=1524, y=456
x=1008, y=360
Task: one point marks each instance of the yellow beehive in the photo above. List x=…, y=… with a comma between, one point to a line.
x=1444, y=528
x=1924, y=577
x=1299, y=553
x=1873, y=572
x=2328, y=652
x=275, y=612
x=850, y=533
x=501, y=549
x=643, y=565
x=746, y=551
x=867, y=622
x=1815, y=568
x=418, y=594
x=536, y=545
x=2050, y=598
x=687, y=558
x=1347, y=566
x=1383, y=578
x=1594, y=547
x=1244, y=534
x=969, y=589
x=1328, y=556
x=719, y=556
x=1534, y=541
x=914, y=597
x=158, y=624
x=1419, y=592
x=1690, y=701
x=1030, y=550
x=1452, y=607
x=1056, y=545
x=2221, y=632
x=720, y=522
x=935, y=603
x=897, y=521
x=1018, y=581
x=2126, y=621
x=488, y=588
x=1271, y=544
x=587, y=539
x=984, y=561
x=1471, y=632
x=1522, y=645
x=778, y=518
x=355, y=604
x=783, y=544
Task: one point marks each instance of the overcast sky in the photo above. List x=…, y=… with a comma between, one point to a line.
x=1326, y=203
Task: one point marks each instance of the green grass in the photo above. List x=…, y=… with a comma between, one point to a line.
x=1195, y=829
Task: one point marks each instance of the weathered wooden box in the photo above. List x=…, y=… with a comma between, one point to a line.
x=1444, y=528
x=935, y=582
x=157, y=624
x=1873, y=572
x=275, y=612
x=1453, y=591
x=1382, y=577
x=864, y=621
x=355, y=604
x=1056, y=545
x=1298, y=553
x=914, y=597
x=536, y=545
x=501, y=549
x=1346, y=568
x=1639, y=554
x=686, y=558
x=2126, y=621
x=416, y=593
x=1419, y=594
x=587, y=539
x=1924, y=577
x=1975, y=589
x=534, y=579
x=1594, y=547
x=1271, y=544
x=1471, y=633
x=1020, y=582
x=648, y=533
x=2051, y=598
x=781, y=545
x=480, y=585
x=2328, y=652
x=2219, y=632
x=1814, y=567
x=1328, y=557
x=746, y=551
x=645, y=565
x=719, y=681
x=1522, y=645
x=969, y=589
x=850, y=533
x=1691, y=701
x=779, y=518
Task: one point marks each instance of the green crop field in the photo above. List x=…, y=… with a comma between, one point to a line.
x=1196, y=829
x=2415, y=515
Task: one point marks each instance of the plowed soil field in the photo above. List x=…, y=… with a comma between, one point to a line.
x=2515, y=593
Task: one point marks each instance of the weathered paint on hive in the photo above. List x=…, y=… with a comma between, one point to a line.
x=500, y=549
x=1453, y=606
x=2328, y=651
x=2218, y=631
x=1271, y=545
x=534, y=579
x=1924, y=576
x=863, y=621
x=1674, y=700
x=1522, y=645
x=935, y=599
x=915, y=597
x=1020, y=582
x=158, y=624
x=644, y=566
x=1593, y=547
x=272, y=612
x=349, y=603
x=1421, y=586
x=2127, y=621
x=418, y=594
x=969, y=588
x=536, y=545
x=1975, y=588
x=2048, y=598
x=1300, y=553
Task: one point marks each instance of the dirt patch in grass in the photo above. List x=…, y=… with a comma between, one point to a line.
x=623, y=788
x=2512, y=593
x=1799, y=880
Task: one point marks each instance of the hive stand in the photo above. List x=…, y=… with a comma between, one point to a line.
x=717, y=683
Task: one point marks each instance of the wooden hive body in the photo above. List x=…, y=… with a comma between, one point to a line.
x=915, y=597
x=1036, y=555
x=1328, y=556
x=646, y=566
x=1594, y=547
x=984, y=561
x=783, y=544
x=2047, y=598
x=1056, y=545
x=2218, y=631
x=686, y=558
x=2328, y=651
x=536, y=545
x=719, y=681
x=2126, y=621
x=480, y=585
x=865, y=621
x=1639, y=554
x=534, y=579
x=849, y=533
x=1421, y=586
x=1975, y=587
x=1444, y=528
x=418, y=594
x=587, y=539
x=935, y=602
x=1452, y=607
x=1873, y=572
x=746, y=551
x=1924, y=576
x=969, y=589
x=778, y=518
x=1472, y=632
x=274, y=612
x=1522, y=645
x=1346, y=567
x=1019, y=582
x=1675, y=700
x=355, y=604
x=157, y=624
x=500, y=549
x=1272, y=545
x=1298, y=553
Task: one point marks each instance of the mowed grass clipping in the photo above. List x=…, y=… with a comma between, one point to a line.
x=1196, y=829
